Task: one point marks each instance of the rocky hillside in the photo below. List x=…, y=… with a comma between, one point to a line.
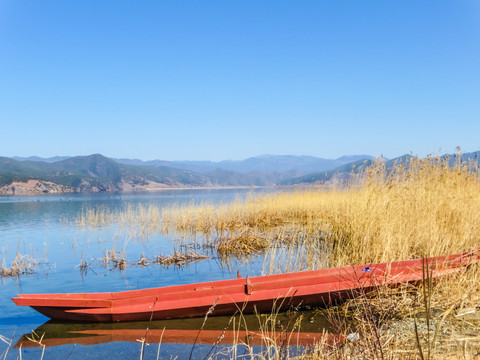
x=87, y=174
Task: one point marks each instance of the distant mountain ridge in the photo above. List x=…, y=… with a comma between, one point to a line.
x=263, y=163
x=99, y=173
x=37, y=158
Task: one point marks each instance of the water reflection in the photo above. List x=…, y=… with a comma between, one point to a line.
x=304, y=329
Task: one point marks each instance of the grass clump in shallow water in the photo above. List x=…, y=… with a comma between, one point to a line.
x=22, y=265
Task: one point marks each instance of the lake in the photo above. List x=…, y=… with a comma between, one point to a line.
x=45, y=229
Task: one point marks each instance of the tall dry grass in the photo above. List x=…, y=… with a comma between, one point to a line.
x=420, y=207
x=137, y=221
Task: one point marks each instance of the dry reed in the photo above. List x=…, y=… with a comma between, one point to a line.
x=22, y=265
x=179, y=259
x=116, y=260
x=137, y=221
x=421, y=207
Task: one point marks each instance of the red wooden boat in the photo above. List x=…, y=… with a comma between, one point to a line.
x=250, y=294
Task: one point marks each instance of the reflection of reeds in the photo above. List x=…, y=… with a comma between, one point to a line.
x=277, y=336
x=8, y=342
x=84, y=266
x=37, y=339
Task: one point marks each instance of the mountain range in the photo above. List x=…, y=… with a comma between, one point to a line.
x=22, y=176
x=263, y=163
x=95, y=173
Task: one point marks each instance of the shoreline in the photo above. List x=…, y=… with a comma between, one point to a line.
x=33, y=193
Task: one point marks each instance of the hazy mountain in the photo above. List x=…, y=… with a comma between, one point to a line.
x=36, y=158
x=263, y=163
x=341, y=172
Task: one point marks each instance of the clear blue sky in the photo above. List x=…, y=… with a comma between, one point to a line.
x=216, y=80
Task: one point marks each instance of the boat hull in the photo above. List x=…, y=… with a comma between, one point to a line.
x=247, y=307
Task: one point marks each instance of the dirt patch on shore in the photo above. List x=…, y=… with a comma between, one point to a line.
x=146, y=185
x=34, y=187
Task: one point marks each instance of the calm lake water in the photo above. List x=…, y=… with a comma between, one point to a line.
x=44, y=228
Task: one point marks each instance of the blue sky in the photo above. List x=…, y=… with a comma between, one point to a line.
x=217, y=80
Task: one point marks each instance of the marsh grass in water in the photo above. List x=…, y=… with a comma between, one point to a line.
x=22, y=265
x=422, y=207
x=116, y=260
x=136, y=221
x=301, y=256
